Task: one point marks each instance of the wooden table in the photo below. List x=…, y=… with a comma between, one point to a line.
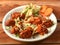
x=5, y=6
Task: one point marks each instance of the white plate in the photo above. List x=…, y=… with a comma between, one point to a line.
x=18, y=9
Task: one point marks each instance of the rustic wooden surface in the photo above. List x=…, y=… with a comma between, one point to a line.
x=6, y=6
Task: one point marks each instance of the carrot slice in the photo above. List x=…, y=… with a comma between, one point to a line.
x=43, y=8
x=48, y=11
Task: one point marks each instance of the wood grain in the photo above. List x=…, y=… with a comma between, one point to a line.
x=29, y=0
x=6, y=6
x=54, y=38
